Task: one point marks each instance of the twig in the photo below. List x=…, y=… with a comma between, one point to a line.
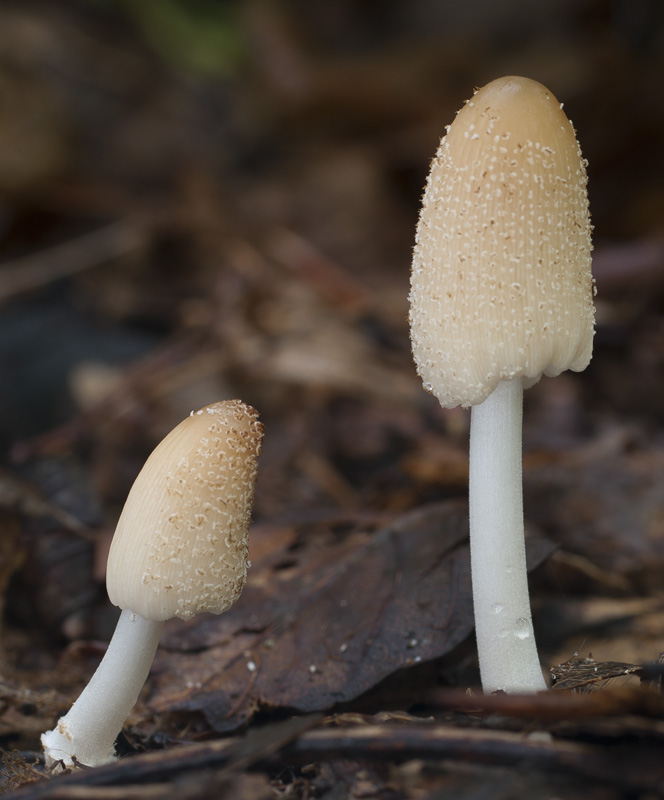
x=227, y=757
x=632, y=767
x=27, y=274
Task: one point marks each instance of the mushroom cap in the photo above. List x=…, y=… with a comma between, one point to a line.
x=180, y=546
x=501, y=283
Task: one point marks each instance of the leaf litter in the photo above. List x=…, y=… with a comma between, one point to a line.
x=328, y=622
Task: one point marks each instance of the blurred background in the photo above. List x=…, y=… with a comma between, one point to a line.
x=202, y=200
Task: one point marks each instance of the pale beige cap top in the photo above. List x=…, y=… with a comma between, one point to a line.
x=180, y=546
x=501, y=283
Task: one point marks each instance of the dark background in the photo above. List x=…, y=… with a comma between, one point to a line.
x=206, y=200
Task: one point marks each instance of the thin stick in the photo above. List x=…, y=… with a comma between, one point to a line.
x=24, y=275
x=290, y=742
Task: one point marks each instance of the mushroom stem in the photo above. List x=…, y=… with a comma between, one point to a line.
x=86, y=734
x=505, y=640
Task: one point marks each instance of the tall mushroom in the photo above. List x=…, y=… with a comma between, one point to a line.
x=180, y=548
x=501, y=294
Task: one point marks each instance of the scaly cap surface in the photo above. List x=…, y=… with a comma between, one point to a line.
x=501, y=283
x=180, y=546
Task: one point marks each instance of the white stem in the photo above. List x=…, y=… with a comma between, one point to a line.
x=87, y=733
x=503, y=623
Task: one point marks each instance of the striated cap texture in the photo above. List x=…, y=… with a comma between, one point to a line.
x=180, y=546
x=501, y=283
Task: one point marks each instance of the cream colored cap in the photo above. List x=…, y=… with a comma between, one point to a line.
x=180, y=546
x=501, y=283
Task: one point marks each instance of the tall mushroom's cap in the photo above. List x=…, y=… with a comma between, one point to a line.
x=501, y=284
x=180, y=546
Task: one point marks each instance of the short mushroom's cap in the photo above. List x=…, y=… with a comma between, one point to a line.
x=180, y=546
x=501, y=283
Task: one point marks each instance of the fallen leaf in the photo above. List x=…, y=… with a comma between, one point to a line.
x=325, y=620
x=605, y=502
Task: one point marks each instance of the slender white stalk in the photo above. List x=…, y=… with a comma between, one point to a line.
x=505, y=641
x=88, y=731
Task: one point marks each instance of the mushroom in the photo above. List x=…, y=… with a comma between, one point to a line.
x=179, y=549
x=501, y=294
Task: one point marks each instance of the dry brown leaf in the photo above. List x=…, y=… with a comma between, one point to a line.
x=326, y=620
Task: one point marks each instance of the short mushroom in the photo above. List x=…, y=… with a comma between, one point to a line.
x=501, y=294
x=179, y=549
